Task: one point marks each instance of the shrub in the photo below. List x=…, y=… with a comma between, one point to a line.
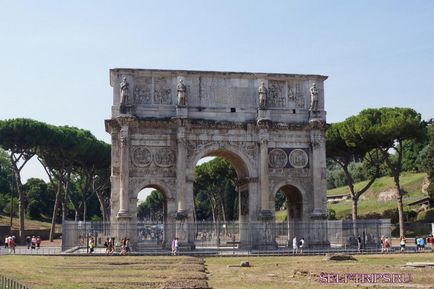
x=331, y=214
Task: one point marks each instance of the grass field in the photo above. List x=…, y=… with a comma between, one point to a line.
x=28, y=224
x=369, y=202
x=188, y=272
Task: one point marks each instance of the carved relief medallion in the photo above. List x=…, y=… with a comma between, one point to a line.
x=164, y=157
x=277, y=158
x=298, y=158
x=142, y=157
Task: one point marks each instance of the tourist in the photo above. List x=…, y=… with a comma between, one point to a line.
x=386, y=244
x=33, y=242
x=382, y=244
x=420, y=244
x=11, y=244
x=127, y=245
x=6, y=242
x=402, y=243
x=123, y=246
x=38, y=242
x=112, y=245
x=174, y=246
x=430, y=242
x=106, y=246
x=359, y=243
x=28, y=242
x=91, y=245
x=301, y=245
x=294, y=246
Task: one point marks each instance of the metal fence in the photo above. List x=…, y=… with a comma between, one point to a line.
x=8, y=283
x=260, y=236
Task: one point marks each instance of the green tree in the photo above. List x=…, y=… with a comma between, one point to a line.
x=152, y=209
x=389, y=128
x=428, y=164
x=39, y=198
x=7, y=187
x=21, y=138
x=214, y=191
x=344, y=146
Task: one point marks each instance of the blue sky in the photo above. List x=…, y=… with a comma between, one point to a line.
x=55, y=56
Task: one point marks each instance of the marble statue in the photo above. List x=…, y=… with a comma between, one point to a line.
x=181, y=93
x=313, y=98
x=262, y=91
x=124, y=86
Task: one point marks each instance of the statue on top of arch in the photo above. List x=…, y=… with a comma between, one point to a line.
x=262, y=92
x=181, y=93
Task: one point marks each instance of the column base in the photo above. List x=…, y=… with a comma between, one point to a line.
x=318, y=214
x=122, y=214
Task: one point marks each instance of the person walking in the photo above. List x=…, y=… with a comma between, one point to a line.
x=301, y=245
x=174, y=246
x=33, y=243
x=402, y=243
x=359, y=243
x=294, y=245
x=91, y=245
x=38, y=242
x=28, y=242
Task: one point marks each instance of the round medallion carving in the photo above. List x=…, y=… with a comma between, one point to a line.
x=165, y=158
x=142, y=157
x=277, y=158
x=298, y=158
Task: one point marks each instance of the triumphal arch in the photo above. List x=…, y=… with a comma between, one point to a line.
x=269, y=126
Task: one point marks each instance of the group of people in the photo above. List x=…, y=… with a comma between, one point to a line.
x=297, y=245
x=10, y=244
x=33, y=242
x=419, y=242
x=422, y=242
x=110, y=246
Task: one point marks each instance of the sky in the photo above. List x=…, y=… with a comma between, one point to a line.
x=55, y=56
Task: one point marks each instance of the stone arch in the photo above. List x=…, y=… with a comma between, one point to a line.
x=150, y=183
x=296, y=198
x=240, y=162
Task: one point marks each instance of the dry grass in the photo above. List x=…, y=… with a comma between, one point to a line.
x=188, y=272
x=303, y=272
x=106, y=272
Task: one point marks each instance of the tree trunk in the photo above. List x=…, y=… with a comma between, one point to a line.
x=65, y=200
x=354, y=216
x=400, y=206
x=53, y=218
x=103, y=209
x=19, y=187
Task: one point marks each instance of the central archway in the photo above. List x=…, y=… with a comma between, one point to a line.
x=225, y=232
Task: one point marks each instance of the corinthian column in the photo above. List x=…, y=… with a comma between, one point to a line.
x=124, y=173
x=180, y=169
x=265, y=191
x=318, y=171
